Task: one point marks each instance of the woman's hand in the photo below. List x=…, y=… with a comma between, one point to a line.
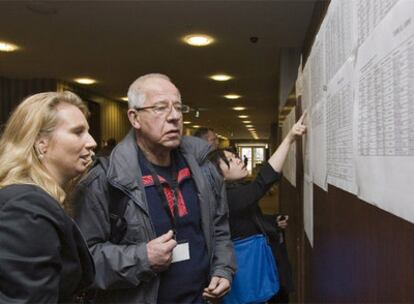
x=298, y=129
x=278, y=158
x=282, y=221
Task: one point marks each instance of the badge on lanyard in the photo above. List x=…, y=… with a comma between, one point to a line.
x=181, y=252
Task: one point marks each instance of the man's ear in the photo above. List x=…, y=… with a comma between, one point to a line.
x=134, y=119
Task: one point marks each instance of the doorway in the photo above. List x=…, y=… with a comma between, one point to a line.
x=255, y=154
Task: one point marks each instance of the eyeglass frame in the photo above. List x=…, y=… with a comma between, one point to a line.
x=169, y=108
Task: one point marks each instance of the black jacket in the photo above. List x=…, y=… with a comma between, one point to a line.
x=43, y=256
x=243, y=200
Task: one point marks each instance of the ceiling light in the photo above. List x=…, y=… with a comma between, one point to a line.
x=239, y=108
x=85, y=80
x=196, y=126
x=243, y=116
x=187, y=122
x=249, y=126
x=232, y=96
x=7, y=47
x=246, y=121
x=252, y=129
x=220, y=77
x=124, y=98
x=198, y=40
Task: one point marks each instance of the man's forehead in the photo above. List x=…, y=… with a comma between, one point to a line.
x=160, y=86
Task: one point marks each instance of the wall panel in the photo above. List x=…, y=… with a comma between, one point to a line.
x=114, y=120
x=13, y=91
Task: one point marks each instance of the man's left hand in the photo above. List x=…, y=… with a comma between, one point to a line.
x=217, y=288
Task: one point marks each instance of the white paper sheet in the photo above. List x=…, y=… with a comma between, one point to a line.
x=369, y=14
x=308, y=208
x=314, y=142
x=306, y=85
x=317, y=68
x=299, y=80
x=289, y=167
x=340, y=37
x=318, y=153
x=384, y=128
x=306, y=104
x=339, y=116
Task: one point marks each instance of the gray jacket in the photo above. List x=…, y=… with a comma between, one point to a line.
x=123, y=270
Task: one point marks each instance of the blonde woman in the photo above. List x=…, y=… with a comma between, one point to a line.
x=45, y=146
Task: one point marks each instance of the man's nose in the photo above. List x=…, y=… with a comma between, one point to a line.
x=174, y=114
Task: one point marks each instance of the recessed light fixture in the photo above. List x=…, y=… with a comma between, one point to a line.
x=246, y=121
x=243, y=116
x=232, y=96
x=239, y=108
x=221, y=77
x=187, y=122
x=196, y=126
x=124, y=98
x=198, y=39
x=85, y=80
x=8, y=47
x=249, y=126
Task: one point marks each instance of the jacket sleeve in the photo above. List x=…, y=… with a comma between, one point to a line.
x=244, y=195
x=29, y=251
x=224, y=260
x=117, y=265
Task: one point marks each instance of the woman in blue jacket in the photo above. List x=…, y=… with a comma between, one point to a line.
x=243, y=197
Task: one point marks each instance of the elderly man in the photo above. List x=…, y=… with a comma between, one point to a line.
x=171, y=244
x=209, y=135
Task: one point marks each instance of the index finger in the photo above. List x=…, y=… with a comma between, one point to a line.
x=300, y=120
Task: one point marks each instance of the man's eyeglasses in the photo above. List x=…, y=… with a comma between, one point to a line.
x=164, y=108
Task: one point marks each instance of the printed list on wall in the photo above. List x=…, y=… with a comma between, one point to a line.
x=362, y=62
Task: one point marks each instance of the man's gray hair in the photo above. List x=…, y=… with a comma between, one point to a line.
x=137, y=90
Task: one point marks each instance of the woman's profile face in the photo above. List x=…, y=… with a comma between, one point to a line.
x=236, y=169
x=68, y=149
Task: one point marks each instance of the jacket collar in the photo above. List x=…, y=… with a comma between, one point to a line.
x=124, y=169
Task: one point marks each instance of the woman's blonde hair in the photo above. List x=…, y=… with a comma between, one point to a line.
x=35, y=117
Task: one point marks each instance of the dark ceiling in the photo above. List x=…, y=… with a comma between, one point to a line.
x=117, y=41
